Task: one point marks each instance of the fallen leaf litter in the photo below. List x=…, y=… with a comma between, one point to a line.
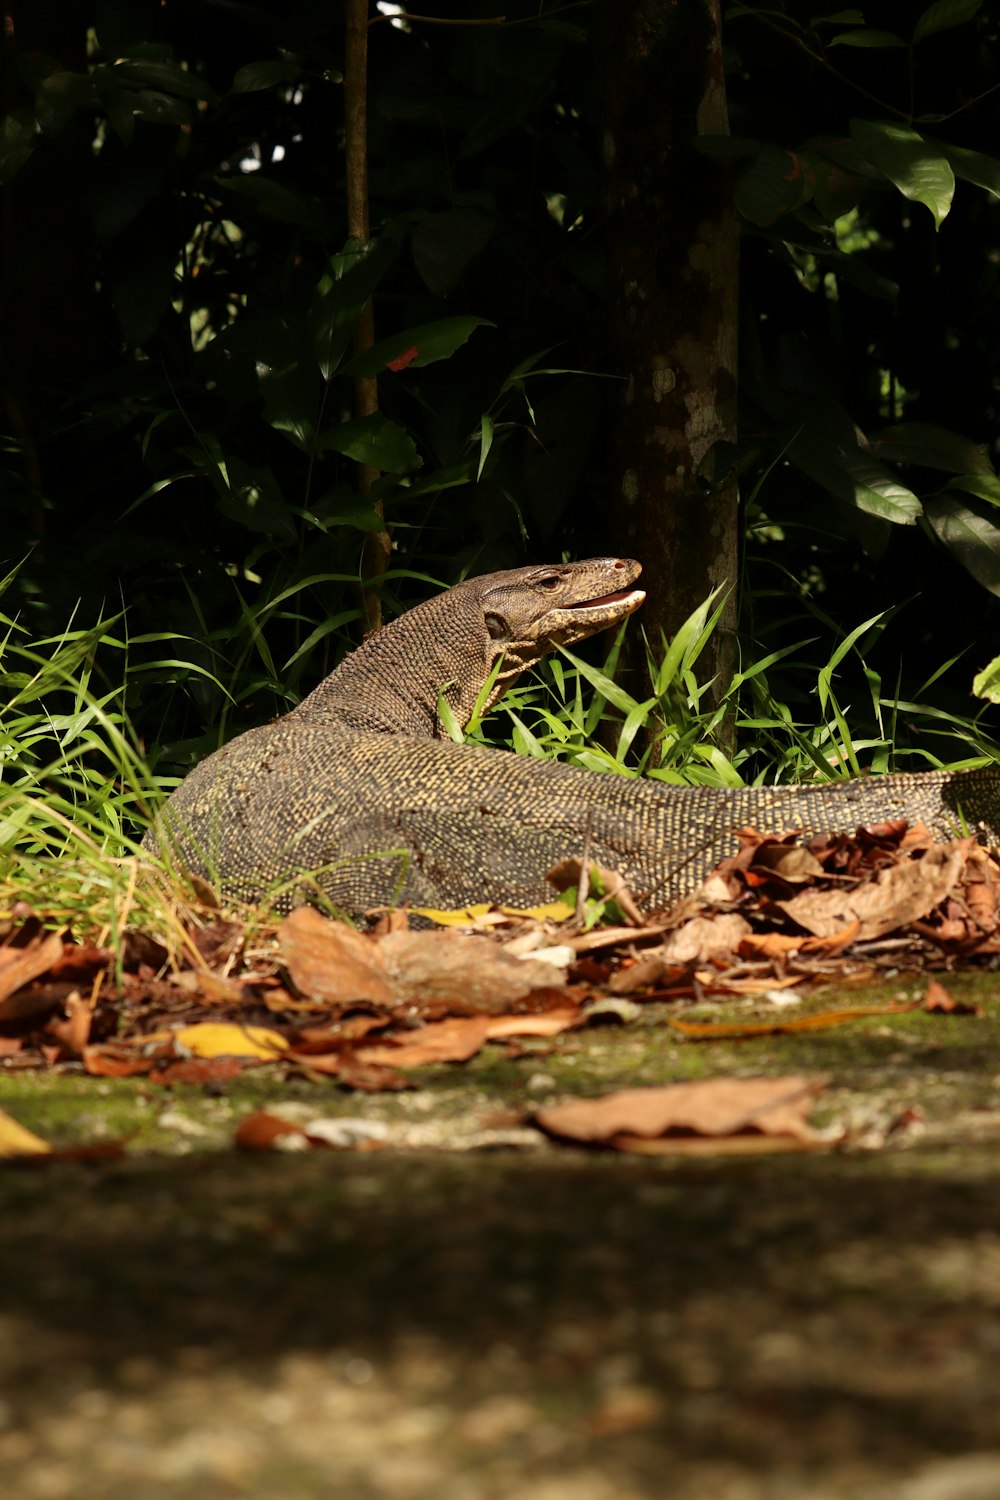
x=326, y=1001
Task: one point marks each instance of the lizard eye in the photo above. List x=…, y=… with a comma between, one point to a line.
x=497, y=627
x=551, y=582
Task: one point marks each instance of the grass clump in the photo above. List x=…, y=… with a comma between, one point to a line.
x=791, y=721
x=76, y=790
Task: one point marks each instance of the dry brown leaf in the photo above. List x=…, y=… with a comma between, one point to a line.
x=719, y=1108
x=781, y=944
x=942, y=1002
x=460, y=1037
x=74, y=1031
x=331, y=961
x=703, y=1145
x=549, y=1024
x=899, y=894
x=699, y=938
x=450, y=968
x=209, y=988
x=454, y=1040
x=793, y=862
x=822, y=1021
x=607, y=937
x=79, y=962
x=652, y=969
x=201, y=1070
x=722, y=984
x=114, y=1060
x=371, y=1078
x=259, y=1131
x=19, y=966
x=342, y=1034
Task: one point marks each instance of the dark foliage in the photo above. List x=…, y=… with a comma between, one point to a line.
x=178, y=304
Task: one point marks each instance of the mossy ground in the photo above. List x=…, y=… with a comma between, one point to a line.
x=193, y=1321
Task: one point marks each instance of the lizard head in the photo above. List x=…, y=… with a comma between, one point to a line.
x=528, y=612
x=559, y=604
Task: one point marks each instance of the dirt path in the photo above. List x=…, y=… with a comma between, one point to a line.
x=544, y=1322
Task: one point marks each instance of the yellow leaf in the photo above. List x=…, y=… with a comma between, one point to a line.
x=460, y=917
x=467, y=916
x=550, y=911
x=16, y=1141
x=221, y=1039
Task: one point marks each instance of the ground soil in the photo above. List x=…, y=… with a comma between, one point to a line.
x=473, y=1313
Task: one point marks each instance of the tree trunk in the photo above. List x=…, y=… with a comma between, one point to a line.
x=377, y=545
x=674, y=268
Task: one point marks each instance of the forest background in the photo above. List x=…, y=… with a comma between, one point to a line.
x=193, y=497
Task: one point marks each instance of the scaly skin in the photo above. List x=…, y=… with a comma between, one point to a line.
x=353, y=798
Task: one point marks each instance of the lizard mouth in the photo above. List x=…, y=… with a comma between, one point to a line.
x=618, y=598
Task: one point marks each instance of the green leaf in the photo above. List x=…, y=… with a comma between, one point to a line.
x=774, y=183
x=263, y=75
x=869, y=37
x=374, y=441
x=835, y=190
x=448, y=477
x=932, y=447
x=943, y=15
x=983, y=486
x=970, y=529
x=254, y=499
x=163, y=109
x=605, y=685
x=60, y=96
x=445, y=243
x=415, y=346
x=986, y=684
x=829, y=451
x=272, y=198
x=486, y=443
x=164, y=76
x=918, y=168
x=17, y=135
x=971, y=166
x=342, y=295
x=448, y=718
x=119, y=105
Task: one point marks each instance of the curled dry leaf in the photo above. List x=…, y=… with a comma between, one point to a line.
x=454, y=1040
x=266, y=1130
x=262, y=1130
x=782, y=944
x=332, y=962
x=941, y=1001
x=795, y=863
x=20, y=965
x=726, y=1111
x=461, y=1037
x=701, y=937
x=900, y=894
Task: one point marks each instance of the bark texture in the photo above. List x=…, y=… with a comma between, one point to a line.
x=674, y=297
